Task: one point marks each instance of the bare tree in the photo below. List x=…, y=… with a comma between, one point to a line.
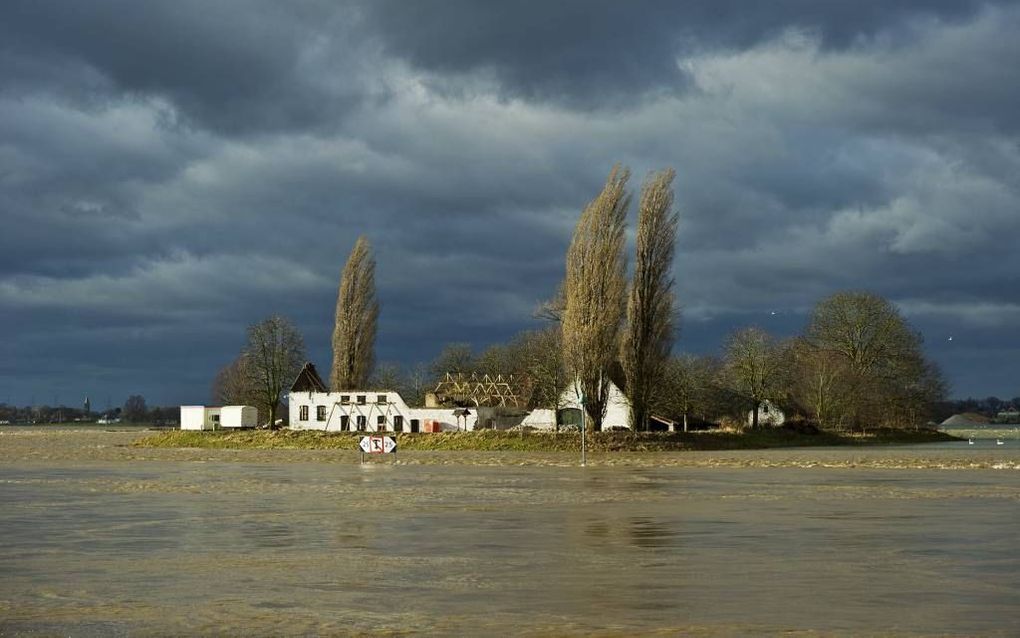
x=878, y=354
x=542, y=356
x=387, y=376
x=686, y=387
x=233, y=384
x=417, y=384
x=501, y=358
x=453, y=358
x=819, y=384
x=913, y=398
x=273, y=357
x=754, y=367
x=552, y=309
x=135, y=409
x=595, y=287
x=357, y=311
x=863, y=328
x=648, y=338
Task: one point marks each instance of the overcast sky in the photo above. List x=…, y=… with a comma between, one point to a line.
x=171, y=172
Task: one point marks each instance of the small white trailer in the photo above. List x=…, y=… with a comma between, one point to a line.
x=238, y=416
x=199, y=417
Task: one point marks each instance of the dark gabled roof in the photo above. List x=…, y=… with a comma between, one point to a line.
x=308, y=380
x=618, y=377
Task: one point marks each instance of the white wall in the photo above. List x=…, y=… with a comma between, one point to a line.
x=334, y=408
x=617, y=407
x=239, y=416
x=336, y=405
x=540, y=419
x=199, y=417
x=768, y=414
x=192, y=417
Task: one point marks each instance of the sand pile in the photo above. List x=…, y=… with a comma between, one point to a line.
x=967, y=418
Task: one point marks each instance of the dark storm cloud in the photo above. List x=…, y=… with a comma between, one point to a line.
x=231, y=66
x=591, y=54
x=170, y=172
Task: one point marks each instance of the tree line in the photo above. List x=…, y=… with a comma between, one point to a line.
x=134, y=410
x=857, y=363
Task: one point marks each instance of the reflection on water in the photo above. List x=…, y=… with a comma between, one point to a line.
x=267, y=535
x=648, y=532
x=170, y=547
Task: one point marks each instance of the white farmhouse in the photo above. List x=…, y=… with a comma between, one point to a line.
x=313, y=407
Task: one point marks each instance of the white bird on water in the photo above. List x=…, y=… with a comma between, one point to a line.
x=999, y=442
x=970, y=441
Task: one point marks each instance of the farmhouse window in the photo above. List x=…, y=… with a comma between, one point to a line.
x=381, y=398
x=361, y=423
x=361, y=399
x=380, y=423
x=398, y=423
x=320, y=413
x=345, y=399
x=345, y=423
x=303, y=413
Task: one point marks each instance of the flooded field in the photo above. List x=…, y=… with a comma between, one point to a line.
x=97, y=538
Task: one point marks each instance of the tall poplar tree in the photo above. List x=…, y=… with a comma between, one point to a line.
x=357, y=311
x=648, y=338
x=595, y=290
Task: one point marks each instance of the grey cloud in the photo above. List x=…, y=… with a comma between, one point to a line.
x=149, y=215
x=610, y=53
x=235, y=67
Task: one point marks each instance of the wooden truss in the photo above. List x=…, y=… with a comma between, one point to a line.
x=494, y=391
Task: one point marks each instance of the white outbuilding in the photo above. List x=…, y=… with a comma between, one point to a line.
x=238, y=416
x=617, y=415
x=199, y=417
x=203, y=417
x=768, y=414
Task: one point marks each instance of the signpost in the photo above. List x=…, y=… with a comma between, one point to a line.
x=377, y=445
x=583, y=428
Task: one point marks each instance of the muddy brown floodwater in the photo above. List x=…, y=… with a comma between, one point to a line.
x=101, y=539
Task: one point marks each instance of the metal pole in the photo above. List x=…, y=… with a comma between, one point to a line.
x=583, y=428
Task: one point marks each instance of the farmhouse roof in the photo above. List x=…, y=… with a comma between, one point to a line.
x=308, y=380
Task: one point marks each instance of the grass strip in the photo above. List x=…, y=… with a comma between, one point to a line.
x=490, y=440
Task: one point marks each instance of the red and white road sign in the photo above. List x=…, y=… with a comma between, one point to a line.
x=378, y=444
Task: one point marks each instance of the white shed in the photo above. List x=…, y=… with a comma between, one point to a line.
x=199, y=417
x=768, y=414
x=238, y=416
x=617, y=406
x=540, y=419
